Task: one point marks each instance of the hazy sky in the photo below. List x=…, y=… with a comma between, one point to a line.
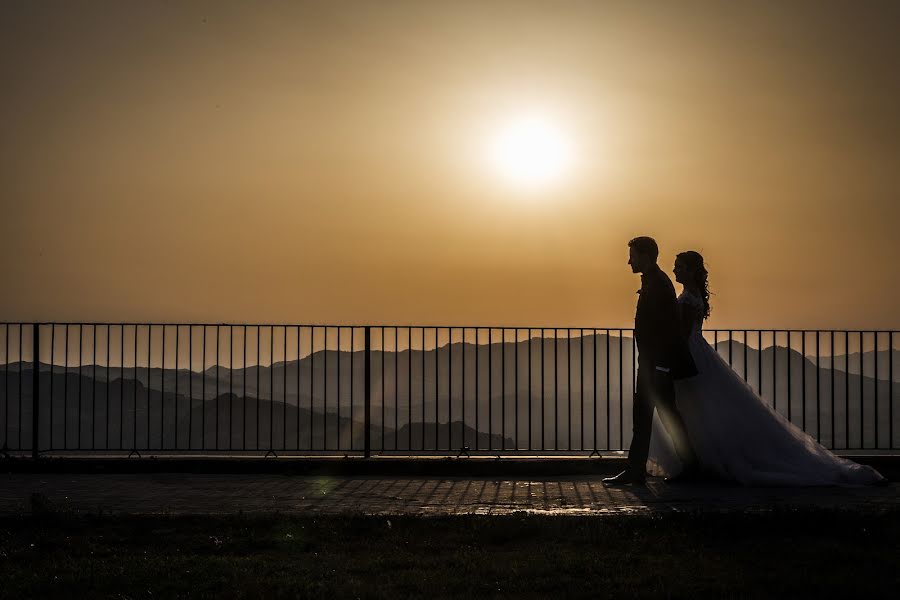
x=325, y=162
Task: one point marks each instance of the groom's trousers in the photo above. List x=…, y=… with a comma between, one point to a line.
x=655, y=389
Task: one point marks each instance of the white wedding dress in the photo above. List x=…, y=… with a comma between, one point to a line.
x=740, y=438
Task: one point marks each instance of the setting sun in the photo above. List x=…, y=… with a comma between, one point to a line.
x=530, y=151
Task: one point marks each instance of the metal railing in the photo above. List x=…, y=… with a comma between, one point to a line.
x=342, y=389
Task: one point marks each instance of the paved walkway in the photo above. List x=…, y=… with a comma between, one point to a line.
x=182, y=493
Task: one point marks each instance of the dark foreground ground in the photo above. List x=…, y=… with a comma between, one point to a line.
x=783, y=553
x=431, y=529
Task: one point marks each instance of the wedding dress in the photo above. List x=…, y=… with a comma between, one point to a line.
x=736, y=436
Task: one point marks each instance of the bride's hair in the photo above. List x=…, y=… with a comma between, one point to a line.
x=698, y=275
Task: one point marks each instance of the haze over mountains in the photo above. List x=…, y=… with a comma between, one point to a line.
x=312, y=403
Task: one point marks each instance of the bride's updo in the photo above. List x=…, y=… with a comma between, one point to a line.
x=697, y=275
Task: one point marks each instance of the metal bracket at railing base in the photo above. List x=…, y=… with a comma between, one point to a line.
x=133, y=452
x=597, y=452
x=272, y=452
x=463, y=450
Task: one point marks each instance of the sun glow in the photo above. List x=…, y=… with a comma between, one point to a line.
x=530, y=151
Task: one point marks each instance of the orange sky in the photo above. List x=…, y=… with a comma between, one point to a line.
x=322, y=162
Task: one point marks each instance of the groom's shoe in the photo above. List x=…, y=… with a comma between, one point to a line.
x=626, y=477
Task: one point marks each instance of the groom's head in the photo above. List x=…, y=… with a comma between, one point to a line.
x=642, y=254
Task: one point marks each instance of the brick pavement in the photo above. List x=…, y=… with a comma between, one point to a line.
x=184, y=493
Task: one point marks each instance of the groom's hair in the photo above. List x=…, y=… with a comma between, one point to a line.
x=645, y=245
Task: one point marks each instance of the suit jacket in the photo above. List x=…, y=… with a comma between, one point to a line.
x=656, y=327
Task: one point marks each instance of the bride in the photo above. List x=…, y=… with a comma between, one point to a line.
x=736, y=436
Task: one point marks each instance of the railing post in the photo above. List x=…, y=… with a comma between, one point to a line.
x=368, y=394
x=35, y=404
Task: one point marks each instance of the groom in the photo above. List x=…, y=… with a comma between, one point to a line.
x=663, y=356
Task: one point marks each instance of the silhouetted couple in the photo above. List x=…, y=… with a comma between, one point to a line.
x=709, y=424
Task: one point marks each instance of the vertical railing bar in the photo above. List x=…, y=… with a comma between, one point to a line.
x=312, y=378
x=833, y=430
x=383, y=356
x=423, y=390
x=230, y=387
x=746, y=347
x=891, y=390
x=202, y=390
x=875, y=377
x=437, y=411
x=516, y=385
x=21, y=368
x=149, y=353
x=409, y=418
x=818, y=390
x=569, y=384
x=218, y=360
x=162, y=393
x=730, y=347
x=543, y=400
x=258, y=386
x=272, y=386
x=449, y=388
x=847, y=390
x=177, y=350
x=462, y=429
x=80, y=355
x=491, y=389
x=284, y=399
x=121, y=386
x=352, y=372
x=367, y=383
x=594, y=386
x=6, y=383
x=622, y=392
x=803, y=377
x=325, y=391
x=338, y=359
x=503, y=389
x=608, y=396
x=530, y=397
x=35, y=386
x=556, y=388
x=134, y=443
x=108, y=384
x=396, y=388
x=52, y=360
x=862, y=404
x=477, y=387
x=775, y=369
x=581, y=381
x=190, y=440
x=790, y=381
x=298, y=391
x=759, y=357
x=93, y=387
x=244, y=391
x=367, y=391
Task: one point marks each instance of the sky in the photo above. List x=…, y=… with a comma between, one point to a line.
x=330, y=162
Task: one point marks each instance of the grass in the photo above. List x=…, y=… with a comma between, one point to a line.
x=809, y=553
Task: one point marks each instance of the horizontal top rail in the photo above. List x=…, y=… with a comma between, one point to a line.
x=427, y=326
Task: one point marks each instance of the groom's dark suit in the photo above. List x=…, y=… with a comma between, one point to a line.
x=663, y=356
